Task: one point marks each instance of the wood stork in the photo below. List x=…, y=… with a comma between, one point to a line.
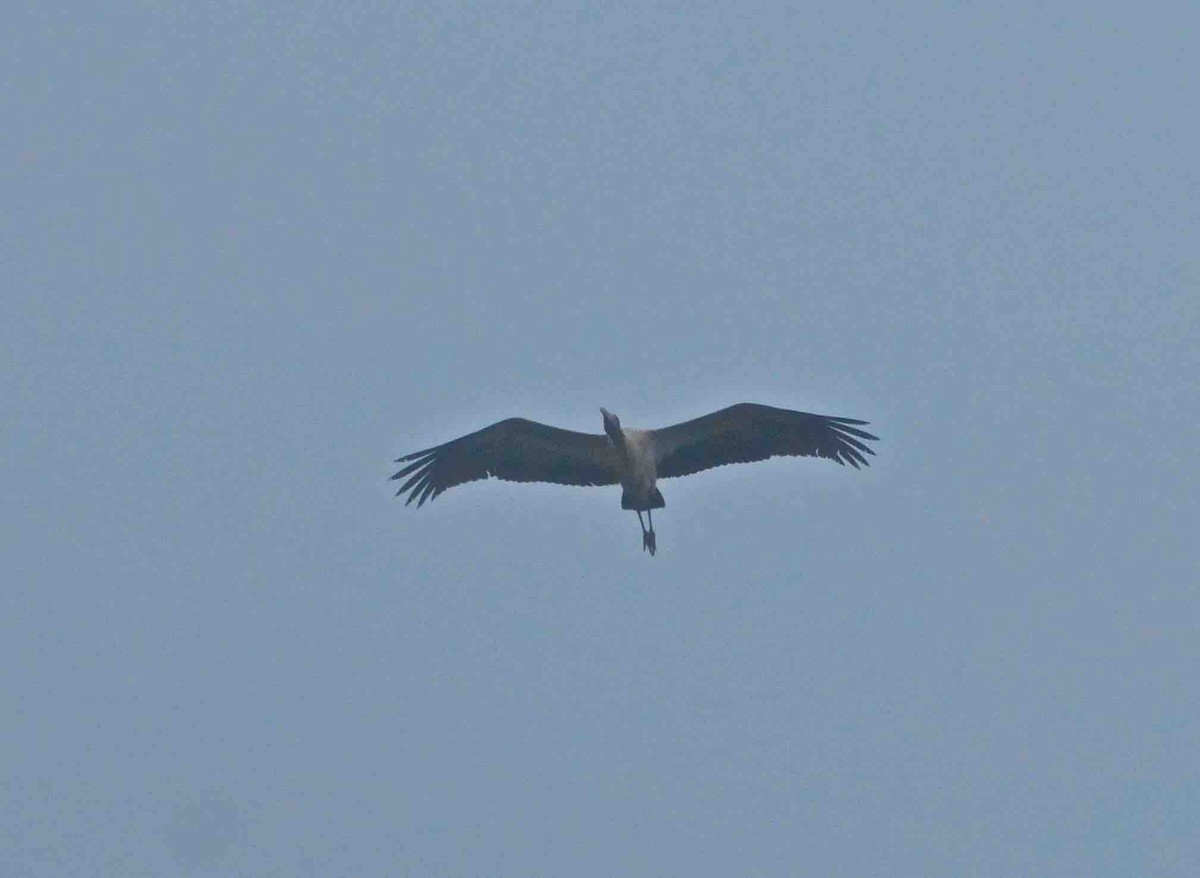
x=519, y=450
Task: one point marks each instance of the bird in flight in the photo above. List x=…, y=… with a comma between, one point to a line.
x=519, y=450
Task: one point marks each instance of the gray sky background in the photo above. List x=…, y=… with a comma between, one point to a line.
x=250, y=253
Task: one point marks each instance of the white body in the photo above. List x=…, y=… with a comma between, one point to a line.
x=637, y=463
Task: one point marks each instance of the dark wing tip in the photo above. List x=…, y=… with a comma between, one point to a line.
x=851, y=444
x=419, y=473
x=844, y=425
x=416, y=454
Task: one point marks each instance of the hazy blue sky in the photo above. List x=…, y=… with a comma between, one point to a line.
x=250, y=253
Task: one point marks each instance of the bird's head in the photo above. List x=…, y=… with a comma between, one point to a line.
x=612, y=424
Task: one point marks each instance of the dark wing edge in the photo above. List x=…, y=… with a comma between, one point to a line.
x=749, y=432
x=515, y=450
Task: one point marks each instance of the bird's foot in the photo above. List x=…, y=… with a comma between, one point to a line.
x=648, y=542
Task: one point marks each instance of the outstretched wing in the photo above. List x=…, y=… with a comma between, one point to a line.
x=748, y=432
x=515, y=450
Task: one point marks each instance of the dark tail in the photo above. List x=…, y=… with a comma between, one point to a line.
x=633, y=501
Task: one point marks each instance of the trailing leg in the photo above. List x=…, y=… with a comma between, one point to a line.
x=647, y=535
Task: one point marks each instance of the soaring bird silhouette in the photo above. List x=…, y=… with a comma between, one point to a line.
x=519, y=450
